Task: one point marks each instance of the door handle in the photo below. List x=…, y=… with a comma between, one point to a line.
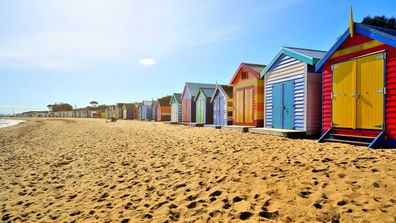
x=355, y=95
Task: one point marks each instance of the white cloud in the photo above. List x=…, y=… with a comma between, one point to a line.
x=147, y=62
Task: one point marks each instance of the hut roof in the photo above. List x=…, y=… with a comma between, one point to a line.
x=193, y=88
x=120, y=105
x=254, y=69
x=149, y=103
x=257, y=67
x=228, y=90
x=164, y=100
x=207, y=92
x=225, y=89
x=177, y=97
x=384, y=35
x=308, y=56
x=129, y=106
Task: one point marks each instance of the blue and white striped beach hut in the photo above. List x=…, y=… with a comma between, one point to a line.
x=293, y=91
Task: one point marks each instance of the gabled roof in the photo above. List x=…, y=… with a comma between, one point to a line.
x=129, y=106
x=308, y=56
x=164, y=101
x=254, y=69
x=176, y=97
x=386, y=36
x=147, y=103
x=224, y=89
x=192, y=88
x=207, y=92
x=120, y=104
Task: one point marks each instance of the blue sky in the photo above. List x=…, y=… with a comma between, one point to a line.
x=112, y=51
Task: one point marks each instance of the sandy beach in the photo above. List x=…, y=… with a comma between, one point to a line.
x=76, y=170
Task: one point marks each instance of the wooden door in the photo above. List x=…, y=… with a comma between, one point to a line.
x=216, y=111
x=221, y=109
x=186, y=110
x=277, y=109
x=288, y=105
x=248, y=101
x=200, y=111
x=370, y=91
x=239, y=106
x=343, y=95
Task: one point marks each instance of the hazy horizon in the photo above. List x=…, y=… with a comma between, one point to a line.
x=127, y=51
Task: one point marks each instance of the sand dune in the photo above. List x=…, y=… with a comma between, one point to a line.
x=74, y=170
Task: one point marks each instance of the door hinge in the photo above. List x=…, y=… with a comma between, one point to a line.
x=334, y=95
x=381, y=91
x=382, y=126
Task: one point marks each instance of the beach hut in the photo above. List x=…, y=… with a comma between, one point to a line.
x=139, y=110
x=118, y=112
x=176, y=108
x=136, y=111
x=164, y=109
x=359, y=90
x=154, y=105
x=248, y=95
x=127, y=111
x=204, y=109
x=222, y=105
x=188, y=103
x=293, y=91
x=145, y=110
x=109, y=111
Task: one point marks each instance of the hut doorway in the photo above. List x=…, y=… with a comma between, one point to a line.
x=358, y=93
x=218, y=108
x=244, y=105
x=283, y=105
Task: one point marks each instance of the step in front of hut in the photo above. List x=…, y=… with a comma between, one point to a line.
x=288, y=133
x=237, y=128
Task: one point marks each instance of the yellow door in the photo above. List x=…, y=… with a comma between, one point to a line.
x=249, y=105
x=343, y=95
x=239, y=106
x=370, y=90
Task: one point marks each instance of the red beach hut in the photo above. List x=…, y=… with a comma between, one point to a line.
x=359, y=87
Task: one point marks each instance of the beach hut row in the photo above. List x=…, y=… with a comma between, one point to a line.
x=346, y=94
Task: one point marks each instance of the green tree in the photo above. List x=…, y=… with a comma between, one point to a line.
x=60, y=107
x=380, y=21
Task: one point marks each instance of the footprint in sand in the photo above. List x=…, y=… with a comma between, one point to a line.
x=342, y=202
x=245, y=215
x=304, y=194
x=237, y=199
x=317, y=205
x=269, y=215
x=148, y=216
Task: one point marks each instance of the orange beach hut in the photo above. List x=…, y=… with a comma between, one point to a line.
x=248, y=94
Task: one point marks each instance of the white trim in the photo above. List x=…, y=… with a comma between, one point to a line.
x=305, y=96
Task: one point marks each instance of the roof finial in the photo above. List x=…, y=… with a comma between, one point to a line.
x=351, y=24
